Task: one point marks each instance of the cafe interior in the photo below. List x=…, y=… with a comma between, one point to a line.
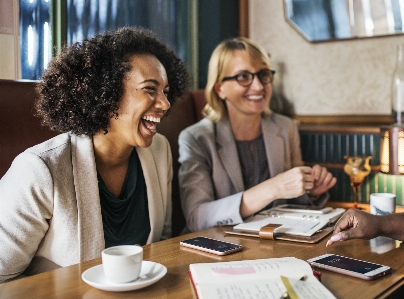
x=335, y=62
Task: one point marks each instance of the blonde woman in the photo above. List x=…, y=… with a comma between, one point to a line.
x=242, y=158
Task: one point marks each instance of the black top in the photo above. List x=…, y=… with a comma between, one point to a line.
x=253, y=160
x=126, y=219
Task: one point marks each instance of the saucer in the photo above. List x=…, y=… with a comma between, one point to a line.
x=150, y=273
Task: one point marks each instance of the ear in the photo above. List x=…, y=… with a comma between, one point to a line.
x=221, y=92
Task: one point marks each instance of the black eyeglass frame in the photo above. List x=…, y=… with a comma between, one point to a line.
x=252, y=77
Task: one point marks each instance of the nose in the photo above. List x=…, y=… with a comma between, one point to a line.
x=162, y=102
x=256, y=83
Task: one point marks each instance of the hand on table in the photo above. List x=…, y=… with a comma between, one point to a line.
x=355, y=224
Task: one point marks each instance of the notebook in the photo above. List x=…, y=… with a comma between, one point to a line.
x=262, y=278
x=331, y=217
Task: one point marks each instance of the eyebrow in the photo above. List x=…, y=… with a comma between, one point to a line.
x=261, y=69
x=155, y=82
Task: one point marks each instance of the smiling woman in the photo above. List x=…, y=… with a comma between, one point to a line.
x=243, y=158
x=107, y=180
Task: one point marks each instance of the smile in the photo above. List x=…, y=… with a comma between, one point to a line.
x=255, y=97
x=150, y=122
x=151, y=118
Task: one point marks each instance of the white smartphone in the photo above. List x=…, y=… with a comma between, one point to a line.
x=211, y=245
x=349, y=266
x=303, y=208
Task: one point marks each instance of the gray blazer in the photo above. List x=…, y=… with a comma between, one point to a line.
x=210, y=176
x=50, y=205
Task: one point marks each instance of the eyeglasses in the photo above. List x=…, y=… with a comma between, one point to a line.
x=246, y=78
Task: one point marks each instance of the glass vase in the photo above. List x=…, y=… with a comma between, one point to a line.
x=357, y=168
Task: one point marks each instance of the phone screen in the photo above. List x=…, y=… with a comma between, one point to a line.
x=348, y=264
x=212, y=244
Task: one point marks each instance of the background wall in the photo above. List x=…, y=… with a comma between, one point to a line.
x=336, y=78
x=9, y=42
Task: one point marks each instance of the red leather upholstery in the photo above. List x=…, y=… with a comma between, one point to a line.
x=185, y=112
x=20, y=129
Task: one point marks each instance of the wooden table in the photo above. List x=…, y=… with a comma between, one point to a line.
x=67, y=282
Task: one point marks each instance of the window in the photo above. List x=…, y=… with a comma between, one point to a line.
x=35, y=36
x=191, y=28
x=166, y=18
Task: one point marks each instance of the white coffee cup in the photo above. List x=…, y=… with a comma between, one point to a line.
x=122, y=263
x=382, y=203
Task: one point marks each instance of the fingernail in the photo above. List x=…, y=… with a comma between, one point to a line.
x=336, y=238
x=329, y=242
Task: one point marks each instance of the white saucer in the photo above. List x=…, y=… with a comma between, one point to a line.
x=150, y=273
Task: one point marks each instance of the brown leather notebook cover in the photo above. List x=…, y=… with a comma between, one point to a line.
x=303, y=239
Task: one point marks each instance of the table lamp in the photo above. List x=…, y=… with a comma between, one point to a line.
x=392, y=149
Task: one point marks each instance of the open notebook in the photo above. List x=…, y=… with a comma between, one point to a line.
x=261, y=278
x=293, y=226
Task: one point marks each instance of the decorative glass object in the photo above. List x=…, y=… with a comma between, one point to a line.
x=397, y=92
x=357, y=167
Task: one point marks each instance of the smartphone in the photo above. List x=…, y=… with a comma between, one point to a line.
x=211, y=245
x=303, y=208
x=349, y=266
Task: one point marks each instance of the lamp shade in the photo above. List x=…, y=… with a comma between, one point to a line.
x=392, y=149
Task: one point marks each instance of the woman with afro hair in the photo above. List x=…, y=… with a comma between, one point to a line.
x=106, y=180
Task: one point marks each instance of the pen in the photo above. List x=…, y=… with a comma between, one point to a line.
x=285, y=295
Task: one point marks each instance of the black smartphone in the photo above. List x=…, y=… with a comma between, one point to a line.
x=349, y=266
x=211, y=245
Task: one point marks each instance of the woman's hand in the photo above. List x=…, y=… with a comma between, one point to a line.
x=289, y=184
x=294, y=182
x=323, y=181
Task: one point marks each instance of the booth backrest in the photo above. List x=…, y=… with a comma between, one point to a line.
x=20, y=129
x=185, y=112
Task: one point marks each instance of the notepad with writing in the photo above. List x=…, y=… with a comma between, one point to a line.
x=261, y=278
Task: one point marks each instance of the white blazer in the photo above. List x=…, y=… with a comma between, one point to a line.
x=50, y=204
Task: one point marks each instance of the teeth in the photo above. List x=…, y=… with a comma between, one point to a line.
x=151, y=127
x=255, y=97
x=151, y=118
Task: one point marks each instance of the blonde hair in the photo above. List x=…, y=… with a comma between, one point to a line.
x=215, y=109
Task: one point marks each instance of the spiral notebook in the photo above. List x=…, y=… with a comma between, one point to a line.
x=293, y=226
x=331, y=217
x=290, y=226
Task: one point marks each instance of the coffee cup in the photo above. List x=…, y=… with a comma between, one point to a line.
x=122, y=263
x=382, y=203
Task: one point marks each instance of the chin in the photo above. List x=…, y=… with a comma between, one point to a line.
x=145, y=142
